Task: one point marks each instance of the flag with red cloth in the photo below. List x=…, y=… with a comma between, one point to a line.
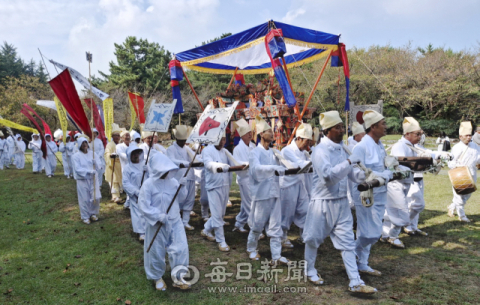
x=28, y=112
x=66, y=92
x=340, y=59
x=139, y=106
x=97, y=119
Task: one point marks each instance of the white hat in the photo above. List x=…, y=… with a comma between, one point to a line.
x=357, y=128
x=135, y=135
x=77, y=135
x=242, y=127
x=261, y=125
x=370, y=117
x=410, y=125
x=1, y=134
x=95, y=130
x=465, y=129
x=124, y=132
x=329, y=119
x=316, y=134
x=17, y=136
x=182, y=132
x=116, y=129
x=58, y=133
x=304, y=131
x=146, y=134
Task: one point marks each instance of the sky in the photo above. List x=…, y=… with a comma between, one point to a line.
x=65, y=29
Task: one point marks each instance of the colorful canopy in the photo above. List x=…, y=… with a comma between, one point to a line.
x=246, y=50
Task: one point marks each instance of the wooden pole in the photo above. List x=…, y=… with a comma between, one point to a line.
x=233, y=77
x=113, y=170
x=89, y=59
x=310, y=96
x=174, y=197
x=193, y=90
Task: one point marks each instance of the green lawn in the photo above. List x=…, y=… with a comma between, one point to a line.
x=47, y=256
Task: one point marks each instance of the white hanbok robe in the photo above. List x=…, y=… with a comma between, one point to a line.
x=184, y=155
x=351, y=145
x=3, y=152
x=132, y=179
x=20, y=154
x=369, y=220
x=397, y=213
x=51, y=160
x=11, y=149
x=329, y=213
x=265, y=211
x=470, y=159
x=218, y=188
x=153, y=201
x=241, y=153
x=294, y=198
x=100, y=151
x=83, y=167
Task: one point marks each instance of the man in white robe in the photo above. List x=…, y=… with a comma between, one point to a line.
x=397, y=213
x=20, y=152
x=158, y=147
x=294, y=197
x=84, y=174
x=241, y=153
x=155, y=197
x=67, y=162
x=121, y=151
x=180, y=153
x=329, y=213
x=132, y=178
x=218, y=188
x=37, y=155
x=358, y=132
x=100, y=151
x=465, y=153
x=371, y=152
x=265, y=210
x=51, y=160
x=11, y=150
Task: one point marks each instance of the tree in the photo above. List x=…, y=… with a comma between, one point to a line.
x=141, y=66
x=10, y=64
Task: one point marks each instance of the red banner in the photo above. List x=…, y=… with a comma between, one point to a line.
x=26, y=113
x=97, y=119
x=66, y=92
x=138, y=105
x=46, y=128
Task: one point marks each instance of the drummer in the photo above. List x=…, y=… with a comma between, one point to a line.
x=465, y=153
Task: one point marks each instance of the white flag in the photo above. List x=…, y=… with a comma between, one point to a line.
x=82, y=80
x=211, y=125
x=159, y=117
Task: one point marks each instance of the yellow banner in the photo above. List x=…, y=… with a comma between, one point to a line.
x=108, y=116
x=17, y=126
x=133, y=114
x=62, y=116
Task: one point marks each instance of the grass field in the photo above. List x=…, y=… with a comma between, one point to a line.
x=47, y=256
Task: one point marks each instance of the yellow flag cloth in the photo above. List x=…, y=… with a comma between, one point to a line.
x=108, y=116
x=62, y=116
x=17, y=126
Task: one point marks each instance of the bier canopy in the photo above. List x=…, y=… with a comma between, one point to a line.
x=246, y=50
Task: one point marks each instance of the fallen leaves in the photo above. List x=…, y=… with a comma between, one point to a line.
x=8, y=291
x=77, y=284
x=78, y=256
x=128, y=302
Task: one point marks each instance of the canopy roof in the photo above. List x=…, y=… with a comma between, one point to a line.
x=246, y=50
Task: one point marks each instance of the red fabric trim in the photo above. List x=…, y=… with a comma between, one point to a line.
x=174, y=63
x=97, y=119
x=26, y=113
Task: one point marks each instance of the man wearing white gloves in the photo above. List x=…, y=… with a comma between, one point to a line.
x=294, y=197
x=371, y=152
x=329, y=212
x=241, y=153
x=180, y=153
x=465, y=153
x=266, y=210
x=51, y=160
x=67, y=162
x=132, y=178
x=397, y=214
x=83, y=172
x=218, y=188
x=155, y=197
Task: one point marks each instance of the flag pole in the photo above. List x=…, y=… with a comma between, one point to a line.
x=193, y=90
x=233, y=77
x=89, y=59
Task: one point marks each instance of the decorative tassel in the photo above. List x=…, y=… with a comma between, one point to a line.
x=176, y=75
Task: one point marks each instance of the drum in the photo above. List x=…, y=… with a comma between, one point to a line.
x=462, y=180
